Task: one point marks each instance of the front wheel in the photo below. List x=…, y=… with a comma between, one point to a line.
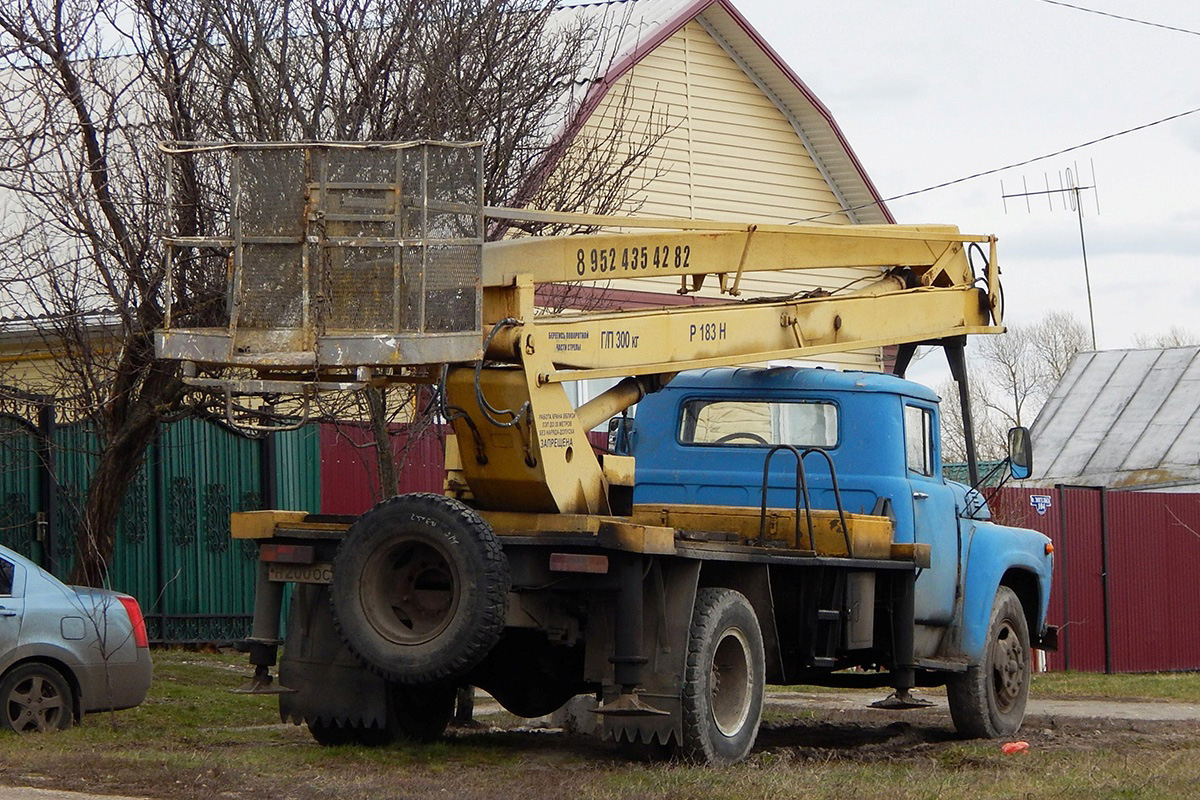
x=726, y=673
x=988, y=700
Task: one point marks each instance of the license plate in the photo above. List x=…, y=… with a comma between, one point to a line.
x=301, y=573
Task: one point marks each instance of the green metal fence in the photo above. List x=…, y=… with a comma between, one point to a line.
x=20, y=486
x=173, y=551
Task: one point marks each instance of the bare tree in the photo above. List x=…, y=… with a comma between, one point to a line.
x=989, y=431
x=1023, y=366
x=1175, y=336
x=90, y=87
x=1056, y=339
x=1012, y=374
x=1011, y=377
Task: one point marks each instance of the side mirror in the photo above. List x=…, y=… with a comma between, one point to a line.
x=1020, y=453
x=620, y=435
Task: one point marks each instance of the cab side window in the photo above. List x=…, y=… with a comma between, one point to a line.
x=6, y=577
x=918, y=440
x=749, y=423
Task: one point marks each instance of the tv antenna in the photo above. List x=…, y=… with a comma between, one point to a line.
x=1068, y=191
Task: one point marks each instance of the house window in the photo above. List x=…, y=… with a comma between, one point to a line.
x=740, y=423
x=918, y=439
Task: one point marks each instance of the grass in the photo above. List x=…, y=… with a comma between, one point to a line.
x=1179, y=687
x=970, y=777
x=193, y=740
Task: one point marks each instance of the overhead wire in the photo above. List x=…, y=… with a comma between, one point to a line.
x=1111, y=15
x=1056, y=153
x=1013, y=165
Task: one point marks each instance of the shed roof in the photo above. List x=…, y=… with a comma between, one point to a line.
x=630, y=29
x=1123, y=419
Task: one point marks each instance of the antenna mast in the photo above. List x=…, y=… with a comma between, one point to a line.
x=1069, y=191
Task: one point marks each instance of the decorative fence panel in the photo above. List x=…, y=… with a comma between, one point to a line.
x=173, y=549
x=21, y=486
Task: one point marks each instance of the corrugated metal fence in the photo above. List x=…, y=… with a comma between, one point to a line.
x=173, y=549
x=349, y=478
x=350, y=481
x=1125, y=589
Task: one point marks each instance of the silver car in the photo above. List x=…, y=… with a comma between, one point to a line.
x=65, y=650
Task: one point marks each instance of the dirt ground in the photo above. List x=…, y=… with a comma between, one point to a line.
x=501, y=757
x=847, y=727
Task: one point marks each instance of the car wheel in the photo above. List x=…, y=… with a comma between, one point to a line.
x=37, y=698
x=723, y=686
x=420, y=589
x=988, y=700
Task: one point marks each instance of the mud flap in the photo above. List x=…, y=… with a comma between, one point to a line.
x=331, y=687
x=669, y=593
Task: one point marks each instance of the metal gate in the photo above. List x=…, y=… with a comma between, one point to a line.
x=21, y=486
x=1124, y=590
x=173, y=549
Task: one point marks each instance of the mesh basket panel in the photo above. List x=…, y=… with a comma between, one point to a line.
x=451, y=289
x=271, y=287
x=360, y=284
x=414, y=273
x=271, y=201
x=392, y=234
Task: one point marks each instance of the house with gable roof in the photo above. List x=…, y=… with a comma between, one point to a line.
x=747, y=139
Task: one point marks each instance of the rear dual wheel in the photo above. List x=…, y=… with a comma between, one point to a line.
x=724, y=681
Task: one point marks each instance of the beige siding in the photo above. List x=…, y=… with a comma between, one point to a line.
x=731, y=154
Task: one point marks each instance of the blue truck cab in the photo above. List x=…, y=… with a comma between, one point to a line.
x=704, y=440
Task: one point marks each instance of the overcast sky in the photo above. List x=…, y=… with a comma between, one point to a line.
x=932, y=91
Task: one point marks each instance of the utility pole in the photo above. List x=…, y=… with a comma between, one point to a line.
x=1069, y=190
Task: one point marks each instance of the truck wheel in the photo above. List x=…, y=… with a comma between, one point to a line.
x=988, y=700
x=421, y=713
x=723, y=684
x=331, y=734
x=420, y=589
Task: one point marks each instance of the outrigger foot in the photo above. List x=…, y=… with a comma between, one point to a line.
x=630, y=705
x=261, y=683
x=901, y=700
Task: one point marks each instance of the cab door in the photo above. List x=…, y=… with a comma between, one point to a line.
x=934, y=517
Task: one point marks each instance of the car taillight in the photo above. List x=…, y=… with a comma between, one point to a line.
x=135, y=619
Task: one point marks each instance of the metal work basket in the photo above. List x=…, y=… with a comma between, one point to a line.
x=331, y=254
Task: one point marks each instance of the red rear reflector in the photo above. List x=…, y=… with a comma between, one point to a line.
x=135, y=619
x=576, y=562
x=286, y=553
